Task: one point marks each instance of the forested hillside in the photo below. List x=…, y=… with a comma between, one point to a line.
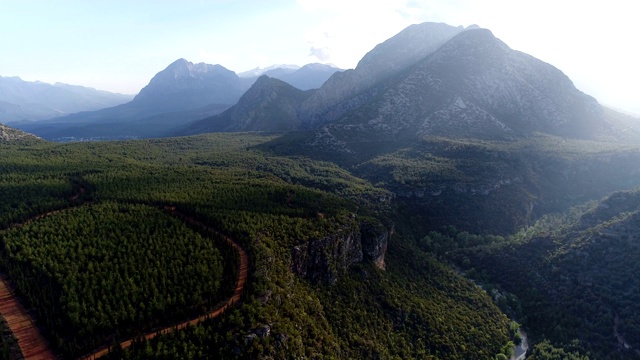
x=569, y=278
x=317, y=237
x=422, y=205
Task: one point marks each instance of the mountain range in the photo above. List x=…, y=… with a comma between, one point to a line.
x=24, y=101
x=181, y=93
x=310, y=76
x=430, y=79
x=455, y=82
x=442, y=144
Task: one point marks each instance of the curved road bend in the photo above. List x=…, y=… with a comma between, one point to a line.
x=35, y=347
x=237, y=294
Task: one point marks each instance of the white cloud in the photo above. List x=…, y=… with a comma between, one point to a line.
x=323, y=54
x=351, y=28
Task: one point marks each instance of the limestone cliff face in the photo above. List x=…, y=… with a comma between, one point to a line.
x=375, y=238
x=10, y=134
x=325, y=260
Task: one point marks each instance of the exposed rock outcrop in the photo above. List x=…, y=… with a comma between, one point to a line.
x=375, y=238
x=11, y=134
x=325, y=260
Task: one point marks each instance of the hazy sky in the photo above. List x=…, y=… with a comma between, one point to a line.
x=119, y=45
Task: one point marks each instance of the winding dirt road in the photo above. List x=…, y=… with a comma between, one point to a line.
x=31, y=342
x=35, y=347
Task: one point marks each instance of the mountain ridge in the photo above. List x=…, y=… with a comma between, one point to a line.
x=269, y=105
x=181, y=93
x=22, y=101
x=474, y=86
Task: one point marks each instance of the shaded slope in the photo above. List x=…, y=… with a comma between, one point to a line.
x=347, y=90
x=475, y=86
x=574, y=283
x=310, y=76
x=183, y=91
x=269, y=105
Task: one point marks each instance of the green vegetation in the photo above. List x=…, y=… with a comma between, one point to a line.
x=9, y=348
x=498, y=187
x=573, y=277
x=449, y=195
x=111, y=195
x=415, y=309
x=97, y=270
x=545, y=351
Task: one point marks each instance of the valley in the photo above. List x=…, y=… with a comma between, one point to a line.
x=310, y=212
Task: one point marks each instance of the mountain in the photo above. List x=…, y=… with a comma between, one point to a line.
x=448, y=81
x=475, y=135
x=8, y=134
x=187, y=86
x=310, y=76
x=31, y=101
x=181, y=93
x=347, y=90
x=269, y=105
x=273, y=69
x=475, y=86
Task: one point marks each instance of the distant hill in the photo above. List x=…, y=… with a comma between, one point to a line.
x=181, y=93
x=274, y=69
x=310, y=76
x=269, y=105
x=8, y=134
x=31, y=101
x=187, y=86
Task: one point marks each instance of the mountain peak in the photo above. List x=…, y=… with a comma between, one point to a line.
x=286, y=68
x=320, y=67
x=179, y=62
x=391, y=57
x=410, y=45
x=182, y=68
x=192, y=80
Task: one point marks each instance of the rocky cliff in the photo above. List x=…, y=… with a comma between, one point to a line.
x=325, y=260
x=11, y=134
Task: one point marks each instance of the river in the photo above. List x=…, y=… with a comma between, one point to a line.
x=520, y=351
